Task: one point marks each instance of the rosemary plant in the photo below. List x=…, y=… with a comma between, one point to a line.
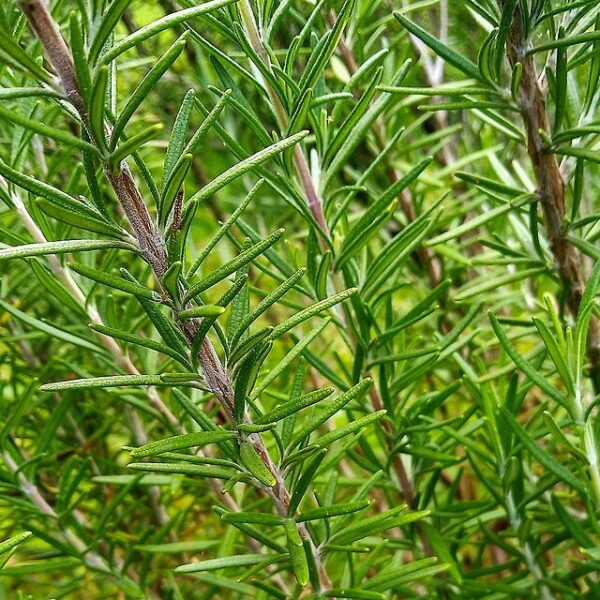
x=297, y=299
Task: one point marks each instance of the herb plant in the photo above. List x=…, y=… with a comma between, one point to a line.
x=297, y=299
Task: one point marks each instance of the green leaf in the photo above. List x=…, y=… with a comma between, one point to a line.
x=331, y=409
x=293, y=406
x=254, y=463
x=180, y=442
x=84, y=78
x=539, y=454
x=307, y=477
x=207, y=310
x=14, y=541
x=107, y=26
x=522, y=364
x=160, y=67
x=38, y=127
x=113, y=281
x=334, y=510
x=40, y=188
x=174, y=186
x=355, y=593
x=561, y=84
x=290, y=357
x=486, y=283
x=357, y=237
x=184, y=469
x=268, y=301
x=450, y=56
x=252, y=517
x=323, y=52
x=103, y=382
x=566, y=42
x=246, y=377
x=246, y=165
x=297, y=553
x=508, y=10
x=226, y=562
x=97, y=107
x=22, y=58
x=50, y=330
x=78, y=219
x=440, y=547
x=159, y=25
x=61, y=247
x=144, y=342
x=178, y=136
x=132, y=145
x=353, y=427
x=311, y=311
x=223, y=229
x=396, y=517
x=233, y=265
x=398, y=576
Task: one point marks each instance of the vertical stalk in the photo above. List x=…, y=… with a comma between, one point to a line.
x=153, y=248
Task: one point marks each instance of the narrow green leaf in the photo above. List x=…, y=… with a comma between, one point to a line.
x=38, y=127
x=246, y=165
x=396, y=517
x=78, y=219
x=14, y=541
x=144, y=342
x=184, y=469
x=61, y=247
x=140, y=93
x=357, y=425
x=223, y=229
x=107, y=25
x=297, y=554
x=103, y=382
x=252, y=517
x=539, y=454
x=207, y=310
x=311, y=311
x=50, y=330
x=226, y=562
x=254, y=463
x=166, y=22
x=290, y=357
x=97, y=107
x=22, y=58
x=293, y=406
x=181, y=442
x=326, y=512
x=132, y=145
x=268, y=301
x=178, y=136
x=118, y=283
x=450, y=56
x=331, y=409
x=523, y=365
x=233, y=265
x=174, y=186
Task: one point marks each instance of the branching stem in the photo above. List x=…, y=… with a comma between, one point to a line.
x=153, y=247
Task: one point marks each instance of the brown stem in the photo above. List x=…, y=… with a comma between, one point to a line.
x=570, y=263
x=152, y=244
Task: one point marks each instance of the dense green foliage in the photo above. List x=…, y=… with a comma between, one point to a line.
x=297, y=299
